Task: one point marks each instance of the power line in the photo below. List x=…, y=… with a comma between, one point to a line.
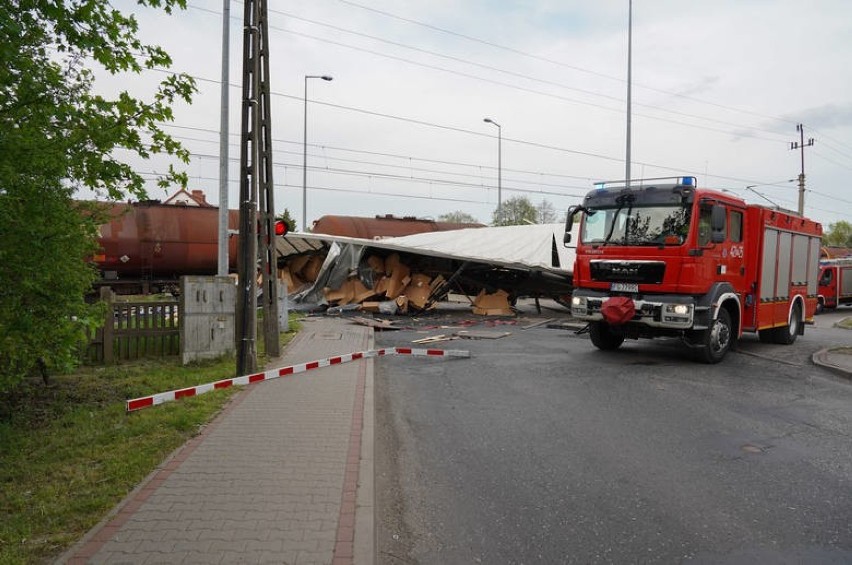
x=588, y=179
x=421, y=180
x=554, y=62
x=495, y=69
x=422, y=197
x=508, y=85
x=522, y=88
x=679, y=170
x=481, y=134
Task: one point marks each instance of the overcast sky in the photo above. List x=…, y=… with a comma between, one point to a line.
x=718, y=88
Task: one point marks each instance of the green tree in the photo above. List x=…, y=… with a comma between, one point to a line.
x=58, y=136
x=545, y=213
x=838, y=234
x=287, y=219
x=458, y=217
x=515, y=212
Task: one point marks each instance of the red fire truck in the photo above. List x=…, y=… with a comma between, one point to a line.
x=661, y=257
x=835, y=283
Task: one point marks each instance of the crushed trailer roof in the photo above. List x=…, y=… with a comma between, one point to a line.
x=532, y=247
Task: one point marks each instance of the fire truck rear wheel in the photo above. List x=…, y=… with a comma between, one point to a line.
x=717, y=340
x=786, y=335
x=603, y=337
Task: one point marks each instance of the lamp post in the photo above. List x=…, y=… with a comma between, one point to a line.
x=499, y=161
x=305, y=155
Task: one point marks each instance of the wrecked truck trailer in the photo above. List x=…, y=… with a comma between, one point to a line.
x=523, y=261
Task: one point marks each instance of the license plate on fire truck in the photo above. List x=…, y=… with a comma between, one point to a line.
x=625, y=287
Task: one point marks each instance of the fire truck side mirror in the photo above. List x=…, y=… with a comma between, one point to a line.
x=569, y=224
x=718, y=218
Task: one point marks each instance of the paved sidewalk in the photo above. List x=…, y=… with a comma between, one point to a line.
x=272, y=480
x=838, y=359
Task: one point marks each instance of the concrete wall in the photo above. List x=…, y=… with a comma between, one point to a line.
x=208, y=305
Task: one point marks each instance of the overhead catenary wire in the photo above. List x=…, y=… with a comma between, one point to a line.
x=678, y=169
x=471, y=132
x=155, y=174
x=618, y=109
x=557, y=63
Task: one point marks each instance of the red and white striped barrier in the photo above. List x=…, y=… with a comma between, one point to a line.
x=160, y=398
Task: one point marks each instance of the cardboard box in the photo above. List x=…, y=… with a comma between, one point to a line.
x=391, y=263
x=381, y=286
x=361, y=292
x=311, y=270
x=376, y=263
x=296, y=264
x=399, y=279
x=418, y=291
x=496, y=301
x=292, y=281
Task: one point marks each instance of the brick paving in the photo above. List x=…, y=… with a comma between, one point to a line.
x=274, y=479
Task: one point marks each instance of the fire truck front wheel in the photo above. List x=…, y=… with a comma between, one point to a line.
x=603, y=337
x=716, y=341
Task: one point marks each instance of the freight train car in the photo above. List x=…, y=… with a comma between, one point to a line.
x=382, y=226
x=148, y=246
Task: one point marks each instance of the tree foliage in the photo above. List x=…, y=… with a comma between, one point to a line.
x=287, y=219
x=515, y=212
x=546, y=214
x=57, y=135
x=458, y=217
x=838, y=234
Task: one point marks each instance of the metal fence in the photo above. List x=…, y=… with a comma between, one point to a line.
x=133, y=330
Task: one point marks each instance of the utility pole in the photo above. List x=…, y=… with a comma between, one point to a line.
x=800, y=145
x=257, y=229
x=629, y=87
x=222, y=259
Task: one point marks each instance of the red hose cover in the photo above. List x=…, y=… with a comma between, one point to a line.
x=618, y=310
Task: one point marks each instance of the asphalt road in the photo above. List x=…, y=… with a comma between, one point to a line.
x=541, y=449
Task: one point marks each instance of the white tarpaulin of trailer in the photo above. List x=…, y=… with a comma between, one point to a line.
x=536, y=247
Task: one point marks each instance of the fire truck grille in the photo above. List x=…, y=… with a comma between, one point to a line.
x=647, y=272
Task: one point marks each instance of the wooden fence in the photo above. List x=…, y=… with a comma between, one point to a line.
x=135, y=329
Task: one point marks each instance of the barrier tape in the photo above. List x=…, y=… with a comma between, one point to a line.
x=160, y=398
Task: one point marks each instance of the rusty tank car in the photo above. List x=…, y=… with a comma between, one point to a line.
x=147, y=246
x=382, y=226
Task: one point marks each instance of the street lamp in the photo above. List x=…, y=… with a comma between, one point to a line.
x=305, y=155
x=499, y=161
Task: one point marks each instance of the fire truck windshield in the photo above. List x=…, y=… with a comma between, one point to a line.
x=626, y=223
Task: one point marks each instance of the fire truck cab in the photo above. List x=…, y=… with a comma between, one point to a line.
x=835, y=283
x=661, y=257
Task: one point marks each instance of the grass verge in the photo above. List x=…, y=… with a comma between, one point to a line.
x=69, y=452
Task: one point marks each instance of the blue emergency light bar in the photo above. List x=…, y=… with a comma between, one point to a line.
x=638, y=183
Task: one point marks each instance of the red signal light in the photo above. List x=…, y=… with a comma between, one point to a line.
x=281, y=228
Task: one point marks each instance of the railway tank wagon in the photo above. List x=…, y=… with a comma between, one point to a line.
x=382, y=226
x=148, y=246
